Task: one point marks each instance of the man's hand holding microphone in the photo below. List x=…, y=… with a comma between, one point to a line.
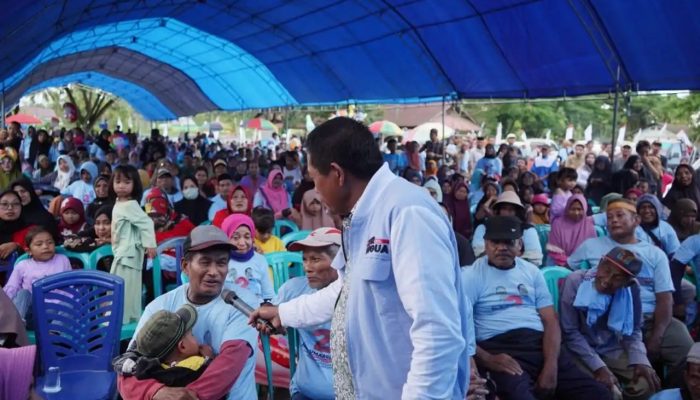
x=270, y=314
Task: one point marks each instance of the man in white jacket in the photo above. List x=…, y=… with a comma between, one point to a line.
x=399, y=324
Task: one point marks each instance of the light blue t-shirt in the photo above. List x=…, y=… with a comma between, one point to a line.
x=217, y=204
x=668, y=394
x=252, y=275
x=314, y=374
x=504, y=300
x=666, y=235
x=655, y=276
x=217, y=322
x=689, y=251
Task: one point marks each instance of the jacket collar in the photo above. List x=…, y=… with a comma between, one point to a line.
x=379, y=181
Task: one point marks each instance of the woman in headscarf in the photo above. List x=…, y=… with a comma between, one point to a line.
x=83, y=188
x=101, y=188
x=63, y=175
x=314, y=214
x=43, y=167
x=570, y=230
x=9, y=167
x=33, y=211
x=433, y=187
x=238, y=202
x=13, y=228
x=599, y=180
x=652, y=228
x=483, y=207
x=683, y=219
x=40, y=145
x=306, y=184
x=683, y=187
x=275, y=197
x=193, y=204
x=585, y=170
x=458, y=205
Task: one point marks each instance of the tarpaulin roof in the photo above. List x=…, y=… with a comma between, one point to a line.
x=195, y=56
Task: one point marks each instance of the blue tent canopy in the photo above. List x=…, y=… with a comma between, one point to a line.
x=207, y=55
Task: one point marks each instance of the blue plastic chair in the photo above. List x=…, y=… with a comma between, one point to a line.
x=8, y=265
x=176, y=243
x=543, y=234
x=554, y=276
x=100, y=253
x=284, y=224
x=600, y=231
x=78, y=316
x=294, y=237
x=285, y=265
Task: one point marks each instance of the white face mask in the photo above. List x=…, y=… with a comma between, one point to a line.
x=190, y=193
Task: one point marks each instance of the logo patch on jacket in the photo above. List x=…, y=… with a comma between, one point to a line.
x=378, y=246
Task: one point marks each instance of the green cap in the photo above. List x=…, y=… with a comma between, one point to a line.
x=161, y=333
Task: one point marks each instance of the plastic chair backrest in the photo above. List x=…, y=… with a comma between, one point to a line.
x=205, y=223
x=100, y=253
x=294, y=237
x=176, y=243
x=84, y=258
x=78, y=318
x=284, y=223
x=543, y=234
x=267, y=355
x=281, y=269
x=59, y=250
x=554, y=276
x=600, y=231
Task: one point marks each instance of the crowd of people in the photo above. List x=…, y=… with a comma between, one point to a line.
x=437, y=272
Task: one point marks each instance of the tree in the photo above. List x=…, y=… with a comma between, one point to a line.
x=91, y=108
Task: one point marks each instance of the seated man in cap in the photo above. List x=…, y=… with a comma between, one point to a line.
x=314, y=375
x=665, y=337
x=517, y=333
x=166, y=184
x=600, y=312
x=690, y=388
x=509, y=204
x=225, y=329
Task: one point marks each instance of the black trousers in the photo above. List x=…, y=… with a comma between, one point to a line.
x=525, y=346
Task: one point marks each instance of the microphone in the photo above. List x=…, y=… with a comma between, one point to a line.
x=231, y=298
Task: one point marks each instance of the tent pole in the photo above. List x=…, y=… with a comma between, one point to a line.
x=444, y=153
x=2, y=107
x=614, y=121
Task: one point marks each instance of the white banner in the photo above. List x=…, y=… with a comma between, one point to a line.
x=621, y=135
x=588, y=133
x=499, y=133
x=569, y=132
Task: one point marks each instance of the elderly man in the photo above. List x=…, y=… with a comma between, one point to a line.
x=314, y=375
x=600, y=312
x=166, y=184
x=517, y=332
x=665, y=337
x=218, y=325
x=399, y=325
x=690, y=390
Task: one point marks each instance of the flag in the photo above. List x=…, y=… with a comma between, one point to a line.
x=569, y=132
x=523, y=135
x=499, y=133
x=588, y=133
x=548, y=134
x=309, y=124
x=621, y=134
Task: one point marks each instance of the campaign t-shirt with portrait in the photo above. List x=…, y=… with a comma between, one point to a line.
x=655, y=276
x=252, y=275
x=504, y=300
x=314, y=374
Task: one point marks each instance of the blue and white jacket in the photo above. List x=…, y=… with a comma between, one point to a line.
x=407, y=319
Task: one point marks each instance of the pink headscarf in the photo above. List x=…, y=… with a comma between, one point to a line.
x=277, y=199
x=567, y=235
x=234, y=221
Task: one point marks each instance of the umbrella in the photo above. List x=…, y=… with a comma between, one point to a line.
x=23, y=119
x=260, y=124
x=386, y=128
x=421, y=133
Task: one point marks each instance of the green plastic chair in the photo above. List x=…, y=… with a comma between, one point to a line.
x=267, y=354
x=285, y=265
x=294, y=237
x=284, y=223
x=184, y=278
x=84, y=258
x=543, y=234
x=600, y=231
x=100, y=253
x=554, y=276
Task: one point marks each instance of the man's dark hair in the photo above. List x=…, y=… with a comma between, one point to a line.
x=346, y=142
x=641, y=145
x=264, y=219
x=224, y=177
